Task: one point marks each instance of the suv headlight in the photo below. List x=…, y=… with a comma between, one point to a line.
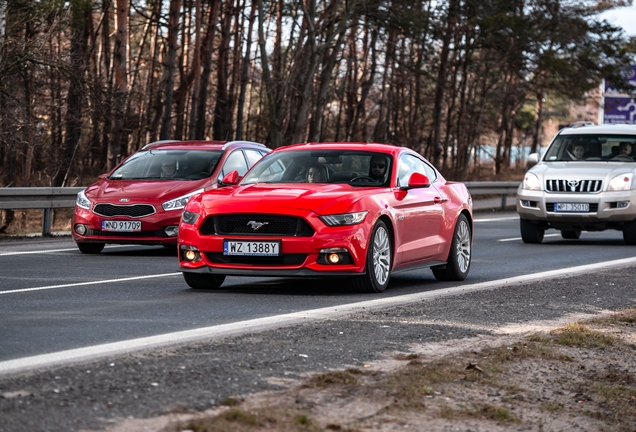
x=621, y=182
x=344, y=219
x=531, y=182
x=179, y=203
x=82, y=201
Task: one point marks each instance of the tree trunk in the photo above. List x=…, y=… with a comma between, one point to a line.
x=245, y=73
x=120, y=89
x=222, y=127
x=173, y=30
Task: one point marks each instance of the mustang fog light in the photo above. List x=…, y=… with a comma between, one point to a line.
x=190, y=254
x=172, y=231
x=80, y=229
x=334, y=256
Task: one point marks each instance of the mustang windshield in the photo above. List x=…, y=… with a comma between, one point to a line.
x=168, y=165
x=591, y=147
x=357, y=168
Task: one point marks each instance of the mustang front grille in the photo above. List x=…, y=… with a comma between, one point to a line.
x=136, y=210
x=576, y=186
x=256, y=225
x=285, y=260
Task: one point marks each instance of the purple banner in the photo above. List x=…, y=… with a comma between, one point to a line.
x=619, y=110
x=630, y=75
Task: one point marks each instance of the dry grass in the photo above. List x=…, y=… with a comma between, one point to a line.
x=577, y=384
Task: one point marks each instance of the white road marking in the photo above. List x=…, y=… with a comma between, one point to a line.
x=519, y=238
x=59, y=250
x=496, y=219
x=99, y=282
x=260, y=324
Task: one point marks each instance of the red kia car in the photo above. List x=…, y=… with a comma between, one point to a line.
x=140, y=201
x=329, y=209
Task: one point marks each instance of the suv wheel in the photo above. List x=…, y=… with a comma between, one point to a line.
x=629, y=233
x=530, y=233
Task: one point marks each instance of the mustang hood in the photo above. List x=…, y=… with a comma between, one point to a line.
x=267, y=198
x=109, y=190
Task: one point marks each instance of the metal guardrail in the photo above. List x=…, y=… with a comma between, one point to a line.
x=49, y=198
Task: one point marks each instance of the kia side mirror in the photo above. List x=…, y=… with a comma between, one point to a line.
x=230, y=179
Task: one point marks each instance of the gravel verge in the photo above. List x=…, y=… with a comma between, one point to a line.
x=170, y=384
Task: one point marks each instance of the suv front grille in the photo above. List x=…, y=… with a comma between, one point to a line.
x=574, y=186
x=136, y=210
x=244, y=224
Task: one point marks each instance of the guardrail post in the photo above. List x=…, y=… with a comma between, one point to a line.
x=46, y=222
x=503, y=201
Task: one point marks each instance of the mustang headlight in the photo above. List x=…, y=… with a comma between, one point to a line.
x=621, y=182
x=189, y=217
x=82, y=201
x=344, y=219
x=179, y=203
x=531, y=182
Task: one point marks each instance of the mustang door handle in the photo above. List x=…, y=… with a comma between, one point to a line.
x=439, y=200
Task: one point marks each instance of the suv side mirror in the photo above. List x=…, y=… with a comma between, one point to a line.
x=533, y=159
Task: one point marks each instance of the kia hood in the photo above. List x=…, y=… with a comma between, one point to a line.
x=139, y=190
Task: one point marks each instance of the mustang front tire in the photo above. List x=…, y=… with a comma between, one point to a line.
x=378, y=268
x=459, y=257
x=201, y=281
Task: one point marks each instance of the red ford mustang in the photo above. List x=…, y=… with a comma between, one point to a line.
x=140, y=201
x=329, y=209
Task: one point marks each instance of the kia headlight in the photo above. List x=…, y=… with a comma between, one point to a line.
x=179, y=203
x=621, y=182
x=531, y=182
x=82, y=201
x=344, y=219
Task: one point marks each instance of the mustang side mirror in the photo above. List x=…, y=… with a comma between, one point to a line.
x=418, y=180
x=533, y=159
x=230, y=178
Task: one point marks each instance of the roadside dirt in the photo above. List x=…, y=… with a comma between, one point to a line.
x=552, y=376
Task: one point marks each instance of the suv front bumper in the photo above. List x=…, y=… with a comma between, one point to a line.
x=608, y=210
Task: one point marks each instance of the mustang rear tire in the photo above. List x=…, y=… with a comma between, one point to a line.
x=378, y=268
x=530, y=233
x=90, y=248
x=200, y=281
x=629, y=233
x=570, y=235
x=459, y=257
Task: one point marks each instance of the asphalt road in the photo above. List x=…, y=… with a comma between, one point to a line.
x=53, y=298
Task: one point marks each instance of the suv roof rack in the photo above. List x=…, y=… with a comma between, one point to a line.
x=581, y=124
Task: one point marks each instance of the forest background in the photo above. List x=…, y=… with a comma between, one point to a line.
x=85, y=83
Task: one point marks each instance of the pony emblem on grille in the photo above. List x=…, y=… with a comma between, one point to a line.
x=257, y=225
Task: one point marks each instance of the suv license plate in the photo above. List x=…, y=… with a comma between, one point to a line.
x=251, y=248
x=121, y=226
x=572, y=207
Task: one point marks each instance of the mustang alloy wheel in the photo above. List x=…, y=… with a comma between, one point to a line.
x=459, y=257
x=378, y=268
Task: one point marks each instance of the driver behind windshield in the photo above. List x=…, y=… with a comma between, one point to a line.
x=377, y=168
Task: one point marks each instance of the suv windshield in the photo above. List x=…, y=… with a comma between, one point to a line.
x=168, y=165
x=592, y=147
x=357, y=168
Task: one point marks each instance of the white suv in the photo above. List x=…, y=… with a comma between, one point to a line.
x=586, y=181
